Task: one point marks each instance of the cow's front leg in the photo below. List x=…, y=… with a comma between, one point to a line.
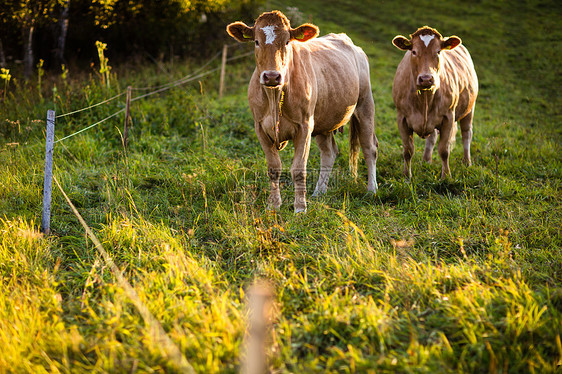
x=298, y=169
x=273, y=167
x=444, y=145
x=408, y=144
x=274, y=173
x=328, y=151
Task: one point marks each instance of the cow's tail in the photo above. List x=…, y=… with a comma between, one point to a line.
x=353, y=145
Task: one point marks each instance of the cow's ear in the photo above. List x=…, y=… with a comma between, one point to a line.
x=240, y=32
x=401, y=42
x=450, y=42
x=304, y=32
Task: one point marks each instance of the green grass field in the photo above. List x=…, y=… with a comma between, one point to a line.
x=461, y=275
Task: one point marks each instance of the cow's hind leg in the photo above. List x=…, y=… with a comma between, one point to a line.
x=466, y=131
x=328, y=152
x=429, y=144
x=363, y=130
x=446, y=135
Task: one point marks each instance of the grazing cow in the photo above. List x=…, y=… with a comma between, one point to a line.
x=303, y=87
x=434, y=86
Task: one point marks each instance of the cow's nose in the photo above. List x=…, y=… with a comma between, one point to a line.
x=271, y=78
x=425, y=80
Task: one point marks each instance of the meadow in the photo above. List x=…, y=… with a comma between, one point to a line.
x=462, y=275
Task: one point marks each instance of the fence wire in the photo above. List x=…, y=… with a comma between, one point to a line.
x=197, y=74
x=167, y=347
x=181, y=79
x=92, y=106
x=175, y=84
x=89, y=127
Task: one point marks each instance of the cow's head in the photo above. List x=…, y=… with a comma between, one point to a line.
x=425, y=46
x=272, y=34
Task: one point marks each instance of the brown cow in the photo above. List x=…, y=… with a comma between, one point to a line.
x=434, y=86
x=304, y=87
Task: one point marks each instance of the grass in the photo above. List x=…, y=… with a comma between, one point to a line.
x=462, y=275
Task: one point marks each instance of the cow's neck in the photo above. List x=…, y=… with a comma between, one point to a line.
x=424, y=103
x=425, y=98
x=275, y=97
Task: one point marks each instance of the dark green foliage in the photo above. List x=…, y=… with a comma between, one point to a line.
x=140, y=29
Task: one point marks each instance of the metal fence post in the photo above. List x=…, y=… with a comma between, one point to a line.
x=49, y=145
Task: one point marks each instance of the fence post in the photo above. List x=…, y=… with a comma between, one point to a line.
x=127, y=118
x=223, y=67
x=258, y=339
x=49, y=145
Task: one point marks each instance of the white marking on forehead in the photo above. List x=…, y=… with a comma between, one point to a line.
x=427, y=39
x=269, y=32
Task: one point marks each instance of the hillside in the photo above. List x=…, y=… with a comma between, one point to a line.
x=461, y=275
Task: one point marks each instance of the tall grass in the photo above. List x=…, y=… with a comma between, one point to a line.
x=461, y=275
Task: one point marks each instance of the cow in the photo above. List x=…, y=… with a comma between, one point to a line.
x=435, y=85
x=304, y=87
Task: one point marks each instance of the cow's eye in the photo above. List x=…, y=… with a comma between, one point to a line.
x=287, y=43
x=438, y=52
x=413, y=53
x=257, y=43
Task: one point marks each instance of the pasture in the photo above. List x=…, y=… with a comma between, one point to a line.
x=444, y=276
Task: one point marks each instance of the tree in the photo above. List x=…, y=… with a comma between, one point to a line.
x=61, y=37
x=2, y=56
x=140, y=28
x=29, y=14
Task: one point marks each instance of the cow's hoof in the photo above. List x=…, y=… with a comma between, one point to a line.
x=317, y=193
x=274, y=204
x=373, y=189
x=300, y=210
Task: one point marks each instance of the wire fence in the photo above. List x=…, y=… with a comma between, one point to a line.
x=253, y=357
x=197, y=74
x=91, y=126
x=186, y=77
x=91, y=106
x=50, y=142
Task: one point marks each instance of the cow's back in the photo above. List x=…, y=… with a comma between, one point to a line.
x=339, y=72
x=459, y=79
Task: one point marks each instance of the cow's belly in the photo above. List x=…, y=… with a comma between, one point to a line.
x=330, y=119
x=416, y=121
x=338, y=87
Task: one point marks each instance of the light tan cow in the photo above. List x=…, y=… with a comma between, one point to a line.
x=303, y=87
x=435, y=85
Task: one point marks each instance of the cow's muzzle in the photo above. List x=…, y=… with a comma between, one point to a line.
x=271, y=78
x=425, y=82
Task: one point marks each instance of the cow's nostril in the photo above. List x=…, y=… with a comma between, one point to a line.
x=271, y=78
x=425, y=80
